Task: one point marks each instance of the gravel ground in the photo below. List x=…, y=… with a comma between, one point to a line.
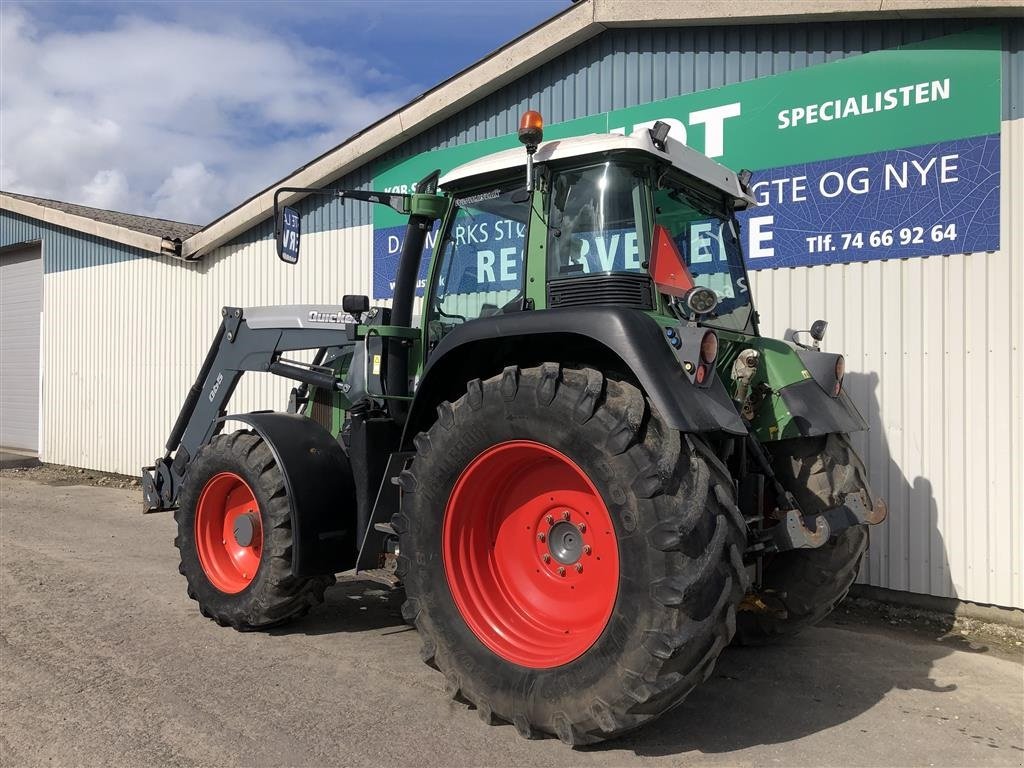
x=104, y=661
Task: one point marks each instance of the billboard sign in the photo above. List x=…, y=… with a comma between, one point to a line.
x=891, y=154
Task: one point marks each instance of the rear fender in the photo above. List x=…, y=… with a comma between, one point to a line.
x=611, y=338
x=321, y=493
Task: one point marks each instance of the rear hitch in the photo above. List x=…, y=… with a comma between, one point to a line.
x=793, y=532
x=799, y=531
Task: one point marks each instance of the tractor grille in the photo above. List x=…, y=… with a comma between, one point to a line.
x=322, y=411
x=622, y=290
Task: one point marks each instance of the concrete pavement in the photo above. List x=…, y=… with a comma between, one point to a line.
x=105, y=661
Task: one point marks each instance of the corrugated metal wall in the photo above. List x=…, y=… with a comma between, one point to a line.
x=124, y=342
x=933, y=350
x=933, y=344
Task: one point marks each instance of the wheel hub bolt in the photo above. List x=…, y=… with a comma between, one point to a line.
x=546, y=557
x=579, y=567
x=561, y=570
x=550, y=519
x=582, y=527
x=586, y=549
x=541, y=537
x=565, y=514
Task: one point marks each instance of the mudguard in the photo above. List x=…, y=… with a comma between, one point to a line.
x=815, y=413
x=483, y=347
x=321, y=492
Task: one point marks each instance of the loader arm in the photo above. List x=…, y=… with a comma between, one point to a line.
x=247, y=340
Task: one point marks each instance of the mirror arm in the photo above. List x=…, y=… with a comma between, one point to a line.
x=399, y=202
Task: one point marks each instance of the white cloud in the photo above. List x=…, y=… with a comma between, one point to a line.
x=170, y=119
x=108, y=189
x=190, y=189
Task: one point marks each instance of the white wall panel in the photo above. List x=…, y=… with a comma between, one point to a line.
x=124, y=342
x=933, y=349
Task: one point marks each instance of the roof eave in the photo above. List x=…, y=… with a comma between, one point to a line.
x=151, y=243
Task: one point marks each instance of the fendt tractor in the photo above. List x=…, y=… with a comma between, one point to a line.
x=583, y=463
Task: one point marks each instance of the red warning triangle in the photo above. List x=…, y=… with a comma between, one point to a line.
x=667, y=266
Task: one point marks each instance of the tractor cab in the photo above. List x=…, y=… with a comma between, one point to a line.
x=638, y=221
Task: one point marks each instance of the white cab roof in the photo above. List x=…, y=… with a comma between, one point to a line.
x=687, y=160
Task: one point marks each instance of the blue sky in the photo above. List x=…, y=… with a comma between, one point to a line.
x=183, y=109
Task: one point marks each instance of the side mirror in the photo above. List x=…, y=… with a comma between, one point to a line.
x=355, y=305
x=816, y=332
x=288, y=232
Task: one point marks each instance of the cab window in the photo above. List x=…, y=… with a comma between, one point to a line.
x=592, y=216
x=708, y=241
x=480, y=271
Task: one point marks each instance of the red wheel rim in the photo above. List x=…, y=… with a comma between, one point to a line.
x=530, y=554
x=229, y=533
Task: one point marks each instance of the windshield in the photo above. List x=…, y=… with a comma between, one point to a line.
x=709, y=243
x=480, y=268
x=592, y=220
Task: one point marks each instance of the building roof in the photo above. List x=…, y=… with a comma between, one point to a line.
x=689, y=161
x=579, y=22
x=173, y=230
x=144, y=232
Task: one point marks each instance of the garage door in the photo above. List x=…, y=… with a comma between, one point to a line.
x=21, y=301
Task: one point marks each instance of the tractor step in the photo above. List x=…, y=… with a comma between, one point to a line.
x=385, y=528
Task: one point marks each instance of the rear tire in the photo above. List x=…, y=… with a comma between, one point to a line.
x=677, y=531
x=233, y=596
x=810, y=583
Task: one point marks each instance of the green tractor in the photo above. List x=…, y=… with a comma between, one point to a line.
x=584, y=465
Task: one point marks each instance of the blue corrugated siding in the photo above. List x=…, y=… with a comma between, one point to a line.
x=64, y=248
x=626, y=67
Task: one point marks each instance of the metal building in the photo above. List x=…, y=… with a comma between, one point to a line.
x=932, y=334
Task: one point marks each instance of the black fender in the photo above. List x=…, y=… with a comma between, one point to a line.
x=618, y=337
x=817, y=413
x=321, y=493
x=810, y=402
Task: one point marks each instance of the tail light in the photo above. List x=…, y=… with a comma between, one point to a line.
x=840, y=372
x=709, y=347
x=708, y=354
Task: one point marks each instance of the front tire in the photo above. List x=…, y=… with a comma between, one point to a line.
x=235, y=538
x=810, y=583
x=620, y=641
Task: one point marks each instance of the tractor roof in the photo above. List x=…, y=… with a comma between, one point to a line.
x=677, y=154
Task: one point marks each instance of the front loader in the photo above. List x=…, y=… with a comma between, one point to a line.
x=583, y=463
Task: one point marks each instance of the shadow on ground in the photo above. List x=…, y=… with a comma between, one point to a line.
x=775, y=694
x=352, y=606
x=768, y=695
